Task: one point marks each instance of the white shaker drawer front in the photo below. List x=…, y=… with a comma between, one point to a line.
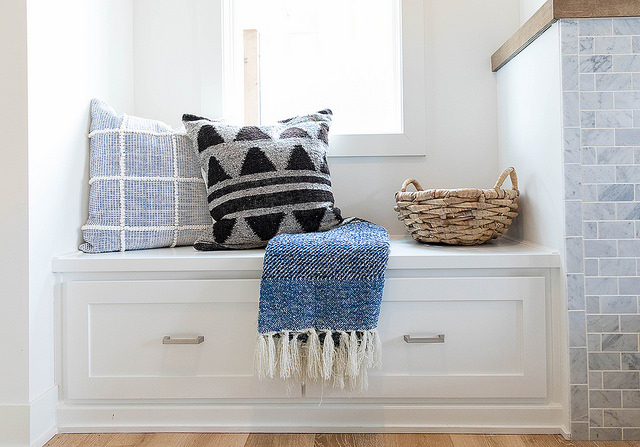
x=460, y=338
x=162, y=339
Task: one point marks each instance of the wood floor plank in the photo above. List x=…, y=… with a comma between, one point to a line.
x=149, y=439
x=80, y=440
x=280, y=440
x=178, y=439
x=348, y=440
x=416, y=440
x=464, y=440
x=544, y=441
x=126, y=439
x=552, y=441
x=319, y=440
x=98, y=439
x=218, y=440
x=163, y=440
x=505, y=441
x=56, y=441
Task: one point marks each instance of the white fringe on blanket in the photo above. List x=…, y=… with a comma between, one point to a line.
x=278, y=354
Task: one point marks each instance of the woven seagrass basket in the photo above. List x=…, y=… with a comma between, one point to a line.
x=458, y=216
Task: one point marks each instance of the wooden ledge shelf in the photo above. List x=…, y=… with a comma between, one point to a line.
x=534, y=27
x=582, y=9
x=552, y=11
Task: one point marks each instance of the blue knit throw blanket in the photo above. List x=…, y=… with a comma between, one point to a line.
x=319, y=303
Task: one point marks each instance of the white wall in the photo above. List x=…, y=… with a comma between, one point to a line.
x=61, y=83
x=177, y=65
x=76, y=50
x=461, y=102
x=530, y=122
x=14, y=328
x=528, y=8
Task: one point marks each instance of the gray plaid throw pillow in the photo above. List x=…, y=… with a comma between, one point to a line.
x=264, y=181
x=147, y=189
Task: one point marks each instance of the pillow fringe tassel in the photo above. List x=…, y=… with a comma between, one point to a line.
x=262, y=358
x=294, y=356
x=352, y=354
x=314, y=356
x=341, y=360
x=344, y=361
x=377, y=350
x=328, y=356
x=271, y=352
x=285, y=356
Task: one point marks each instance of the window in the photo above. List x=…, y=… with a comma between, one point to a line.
x=361, y=58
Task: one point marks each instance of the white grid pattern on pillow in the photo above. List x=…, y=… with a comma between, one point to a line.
x=146, y=186
x=123, y=158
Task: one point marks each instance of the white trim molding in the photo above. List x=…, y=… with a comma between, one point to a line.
x=310, y=417
x=31, y=424
x=410, y=141
x=43, y=423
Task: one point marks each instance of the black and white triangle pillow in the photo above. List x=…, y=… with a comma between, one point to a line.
x=264, y=181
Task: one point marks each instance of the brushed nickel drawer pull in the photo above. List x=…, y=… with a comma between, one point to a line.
x=167, y=340
x=436, y=339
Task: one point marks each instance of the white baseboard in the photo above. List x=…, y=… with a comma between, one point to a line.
x=43, y=423
x=310, y=417
x=32, y=424
x=42, y=418
x=45, y=437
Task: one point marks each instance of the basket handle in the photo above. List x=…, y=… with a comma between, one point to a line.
x=409, y=181
x=511, y=172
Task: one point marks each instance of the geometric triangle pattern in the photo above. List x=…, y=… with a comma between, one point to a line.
x=265, y=226
x=251, y=133
x=276, y=179
x=215, y=173
x=222, y=230
x=239, y=231
x=207, y=137
x=299, y=160
x=310, y=220
x=256, y=162
x=294, y=132
x=188, y=117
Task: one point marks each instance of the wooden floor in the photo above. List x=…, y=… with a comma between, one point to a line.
x=318, y=440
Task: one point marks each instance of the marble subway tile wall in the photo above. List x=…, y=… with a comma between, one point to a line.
x=601, y=121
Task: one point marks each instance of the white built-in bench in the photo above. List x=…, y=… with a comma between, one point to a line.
x=498, y=369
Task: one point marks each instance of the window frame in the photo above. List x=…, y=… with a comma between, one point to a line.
x=411, y=141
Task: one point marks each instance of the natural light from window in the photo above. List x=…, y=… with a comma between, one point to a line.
x=344, y=55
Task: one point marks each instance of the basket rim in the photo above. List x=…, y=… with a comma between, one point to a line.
x=508, y=172
x=462, y=193
x=459, y=189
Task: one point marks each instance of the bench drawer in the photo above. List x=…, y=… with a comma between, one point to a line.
x=494, y=339
x=114, y=340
